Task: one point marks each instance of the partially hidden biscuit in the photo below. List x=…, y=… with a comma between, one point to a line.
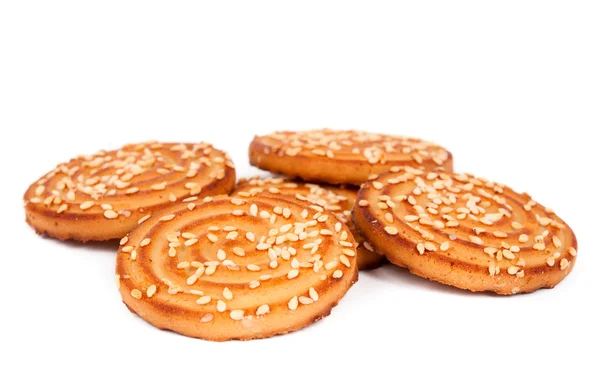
x=236, y=268
x=464, y=231
x=105, y=195
x=342, y=157
x=337, y=200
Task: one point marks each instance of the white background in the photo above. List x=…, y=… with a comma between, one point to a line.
x=512, y=88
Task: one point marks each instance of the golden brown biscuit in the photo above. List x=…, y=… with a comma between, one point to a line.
x=342, y=157
x=463, y=231
x=335, y=199
x=104, y=196
x=236, y=268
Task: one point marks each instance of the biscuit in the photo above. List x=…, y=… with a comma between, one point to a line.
x=104, y=196
x=337, y=200
x=464, y=231
x=342, y=157
x=236, y=268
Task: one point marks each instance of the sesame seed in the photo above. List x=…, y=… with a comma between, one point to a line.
x=86, y=205
x=227, y=294
x=137, y=294
x=476, y=240
x=110, y=214
x=331, y=265
x=512, y=270
x=445, y=246
x=253, y=267
x=391, y=230
x=292, y=274
x=564, y=264
x=172, y=252
x=145, y=242
x=212, y=238
x=556, y=241
x=204, y=300
x=221, y=255
x=250, y=236
x=516, y=225
x=133, y=255
x=313, y=294
x=254, y=284
x=263, y=310
x=293, y=303
x=337, y=274
x=151, y=291
x=207, y=318
x=159, y=186
x=237, y=314
x=221, y=306
x=210, y=270
x=348, y=252
x=305, y=300
x=572, y=251
x=232, y=235
x=550, y=261
x=377, y=185
x=363, y=203
x=167, y=217
x=144, y=219
x=253, y=210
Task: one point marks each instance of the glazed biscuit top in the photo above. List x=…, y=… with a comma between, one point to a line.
x=468, y=219
x=113, y=183
x=232, y=258
x=353, y=146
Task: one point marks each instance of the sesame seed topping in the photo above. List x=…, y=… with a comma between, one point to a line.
x=337, y=274
x=391, y=230
x=144, y=219
x=167, y=217
x=145, y=242
x=263, y=310
x=237, y=314
x=151, y=291
x=293, y=303
x=204, y=300
x=253, y=267
x=137, y=294
x=110, y=214
x=227, y=294
x=86, y=205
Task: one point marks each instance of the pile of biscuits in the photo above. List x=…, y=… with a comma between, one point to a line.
x=207, y=257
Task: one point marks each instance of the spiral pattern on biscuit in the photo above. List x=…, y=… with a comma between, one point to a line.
x=236, y=268
x=465, y=231
x=103, y=196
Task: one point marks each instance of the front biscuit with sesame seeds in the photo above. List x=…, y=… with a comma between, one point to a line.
x=236, y=267
x=342, y=157
x=106, y=195
x=465, y=231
